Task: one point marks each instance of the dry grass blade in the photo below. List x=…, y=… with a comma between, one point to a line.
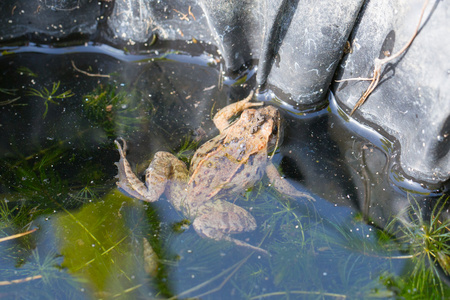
x=379, y=63
x=310, y=293
x=15, y=236
x=15, y=281
x=87, y=73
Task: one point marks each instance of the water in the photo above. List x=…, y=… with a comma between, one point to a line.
x=87, y=240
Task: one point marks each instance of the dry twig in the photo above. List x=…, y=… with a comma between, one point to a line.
x=88, y=74
x=15, y=281
x=191, y=14
x=185, y=16
x=379, y=63
x=182, y=16
x=15, y=236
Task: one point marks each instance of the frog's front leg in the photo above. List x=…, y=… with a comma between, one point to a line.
x=222, y=116
x=282, y=185
x=156, y=175
x=218, y=219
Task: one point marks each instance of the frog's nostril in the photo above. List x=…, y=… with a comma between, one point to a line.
x=260, y=119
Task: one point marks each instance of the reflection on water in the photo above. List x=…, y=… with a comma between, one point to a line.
x=58, y=120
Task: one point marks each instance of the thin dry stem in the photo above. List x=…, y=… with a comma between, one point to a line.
x=15, y=281
x=15, y=236
x=379, y=63
x=88, y=74
x=286, y=294
x=355, y=79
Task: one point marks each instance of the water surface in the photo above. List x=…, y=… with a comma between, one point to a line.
x=62, y=108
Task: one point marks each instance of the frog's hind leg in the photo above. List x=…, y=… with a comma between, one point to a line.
x=218, y=219
x=128, y=182
x=157, y=175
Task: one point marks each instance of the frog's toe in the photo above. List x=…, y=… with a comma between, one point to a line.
x=122, y=149
x=309, y=197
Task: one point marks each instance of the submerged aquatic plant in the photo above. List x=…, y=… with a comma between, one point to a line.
x=85, y=195
x=26, y=71
x=117, y=110
x=187, y=149
x=9, y=216
x=8, y=92
x=49, y=96
x=427, y=239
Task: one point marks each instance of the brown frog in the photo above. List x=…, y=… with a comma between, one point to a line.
x=228, y=164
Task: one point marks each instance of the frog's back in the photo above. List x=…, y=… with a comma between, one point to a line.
x=226, y=168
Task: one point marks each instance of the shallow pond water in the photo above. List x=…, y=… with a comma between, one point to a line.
x=62, y=108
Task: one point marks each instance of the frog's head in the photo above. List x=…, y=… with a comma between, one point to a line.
x=260, y=127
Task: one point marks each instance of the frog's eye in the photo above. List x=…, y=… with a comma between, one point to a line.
x=275, y=129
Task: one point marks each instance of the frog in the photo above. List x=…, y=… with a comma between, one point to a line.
x=228, y=164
